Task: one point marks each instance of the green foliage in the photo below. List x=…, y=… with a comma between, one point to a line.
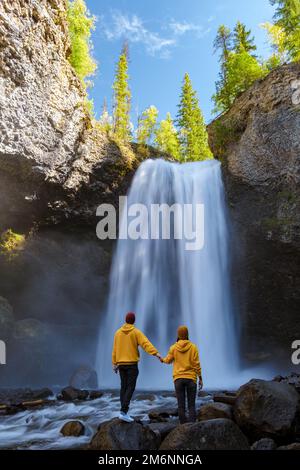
x=11, y=242
x=105, y=121
x=80, y=26
x=277, y=39
x=239, y=66
x=122, y=99
x=146, y=125
x=287, y=17
x=166, y=138
x=192, y=130
x=241, y=71
x=242, y=42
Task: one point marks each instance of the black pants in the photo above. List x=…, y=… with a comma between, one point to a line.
x=128, y=376
x=183, y=388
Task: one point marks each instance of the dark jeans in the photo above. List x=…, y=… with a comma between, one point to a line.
x=128, y=376
x=183, y=388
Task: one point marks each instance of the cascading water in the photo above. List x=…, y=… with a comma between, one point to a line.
x=167, y=285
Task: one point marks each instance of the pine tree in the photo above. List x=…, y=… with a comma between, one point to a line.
x=242, y=40
x=105, y=121
x=166, y=138
x=80, y=27
x=192, y=131
x=146, y=125
x=239, y=67
x=223, y=43
x=122, y=98
x=287, y=17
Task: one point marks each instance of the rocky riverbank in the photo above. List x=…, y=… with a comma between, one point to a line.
x=260, y=415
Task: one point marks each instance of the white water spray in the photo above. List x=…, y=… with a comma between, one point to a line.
x=167, y=286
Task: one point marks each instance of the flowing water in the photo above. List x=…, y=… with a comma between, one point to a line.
x=167, y=285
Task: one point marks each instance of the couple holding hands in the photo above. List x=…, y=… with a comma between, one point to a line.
x=183, y=355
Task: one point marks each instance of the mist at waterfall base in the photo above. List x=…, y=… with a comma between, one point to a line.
x=167, y=285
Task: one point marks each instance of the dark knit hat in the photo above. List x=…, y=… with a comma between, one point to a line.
x=130, y=318
x=182, y=332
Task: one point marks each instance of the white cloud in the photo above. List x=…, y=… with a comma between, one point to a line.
x=133, y=29
x=181, y=28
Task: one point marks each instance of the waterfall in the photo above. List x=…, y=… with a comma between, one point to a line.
x=167, y=285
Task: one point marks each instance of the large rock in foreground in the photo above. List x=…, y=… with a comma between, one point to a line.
x=267, y=409
x=214, y=434
x=258, y=142
x=117, y=435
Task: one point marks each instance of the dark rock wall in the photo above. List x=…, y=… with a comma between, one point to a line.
x=258, y=142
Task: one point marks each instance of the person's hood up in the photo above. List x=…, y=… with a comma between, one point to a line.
x=183, y=345
x=127, y=328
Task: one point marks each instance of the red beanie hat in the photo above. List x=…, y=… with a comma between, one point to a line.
x=130, y=318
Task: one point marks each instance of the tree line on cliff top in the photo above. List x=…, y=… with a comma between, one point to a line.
x=185, y=138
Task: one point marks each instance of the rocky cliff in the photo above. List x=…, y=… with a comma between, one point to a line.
x=258, y=142
x=54, y=160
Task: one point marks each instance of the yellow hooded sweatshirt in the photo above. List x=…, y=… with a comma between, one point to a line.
x=185, y=357
x=126, y=342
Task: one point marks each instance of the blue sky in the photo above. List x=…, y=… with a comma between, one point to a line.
x=167, y=38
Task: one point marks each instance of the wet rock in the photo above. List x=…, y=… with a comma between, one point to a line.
x=71, y=394
x=215, y=434
x=215, y=410
x=20, y=395
x=94, y=394
x=267, y=409
x=294, y=446
x=162, y=429
x=225, y=397
x=292, y=379
x=84, y=377
x=162, y=413
x=73, y=428
x=264, y=444
x=117, y=435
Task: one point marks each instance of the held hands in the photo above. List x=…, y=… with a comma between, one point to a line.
x=159, y=357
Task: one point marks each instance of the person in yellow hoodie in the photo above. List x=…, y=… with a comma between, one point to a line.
x=125, y=358
x=184, y=356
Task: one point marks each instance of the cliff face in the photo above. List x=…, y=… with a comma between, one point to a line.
x=258, y=142
x=54, y=161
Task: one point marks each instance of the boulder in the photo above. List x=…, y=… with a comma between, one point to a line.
x=6, y=319
x=162, y=412
x=294, y=446
x=117, y=435
x=264, y=444
x=225, y=397
x=215, y=410
x=72, y=428
x=162, y=429
x=292, y=379
x=94, y=394
x=20, y=395
x=214, y=434
x=71, y=394
x=267, y=409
